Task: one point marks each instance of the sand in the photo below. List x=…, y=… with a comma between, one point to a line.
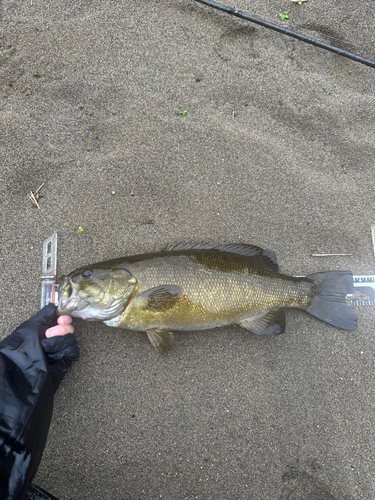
x=276, y=149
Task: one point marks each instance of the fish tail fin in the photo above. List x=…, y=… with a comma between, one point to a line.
x=329, y=302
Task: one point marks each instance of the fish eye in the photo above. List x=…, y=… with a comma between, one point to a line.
x=86, y=273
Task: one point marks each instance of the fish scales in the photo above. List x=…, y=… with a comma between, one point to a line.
x=215, y=291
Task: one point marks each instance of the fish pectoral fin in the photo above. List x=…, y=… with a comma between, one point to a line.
x=271, y=323
x=162, y=297
x=161, y=339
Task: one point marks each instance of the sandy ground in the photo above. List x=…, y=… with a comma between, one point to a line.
x=276, y=149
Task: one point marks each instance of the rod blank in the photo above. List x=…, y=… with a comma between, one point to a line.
x=234, y=12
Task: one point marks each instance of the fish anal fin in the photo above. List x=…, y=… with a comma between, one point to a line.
x=161, y=339
x=271, y=323
x=161, y=298
x=258, y=257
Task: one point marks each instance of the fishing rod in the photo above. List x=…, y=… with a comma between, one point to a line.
x=235, y=12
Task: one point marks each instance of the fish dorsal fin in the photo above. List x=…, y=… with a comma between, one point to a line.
x=161, y=339
x=260, y=258
x=271, y=323
x=162, y=297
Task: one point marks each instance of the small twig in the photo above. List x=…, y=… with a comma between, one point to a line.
x=34, y=196
x=34, y=200
x=330, y=254
x=39, y=188
x=89, y=142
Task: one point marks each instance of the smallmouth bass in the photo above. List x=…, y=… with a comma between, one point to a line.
x=200, y=286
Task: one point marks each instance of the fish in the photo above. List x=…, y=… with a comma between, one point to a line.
x=200, y=286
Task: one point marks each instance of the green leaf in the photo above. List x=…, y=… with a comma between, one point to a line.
x=284, y=16
x=183, y=113
x=80, y=229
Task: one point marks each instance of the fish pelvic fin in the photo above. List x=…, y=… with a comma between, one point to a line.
x=329, y=302
x=161, y=339
x=271, y=323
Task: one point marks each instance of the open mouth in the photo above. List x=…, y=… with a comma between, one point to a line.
x=69, y=302
x=67, y=306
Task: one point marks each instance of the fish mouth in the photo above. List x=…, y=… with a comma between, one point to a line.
x=69, y=301
x=78, y=308
x=70, y=305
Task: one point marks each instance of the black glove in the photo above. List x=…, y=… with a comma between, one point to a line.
x=61, y=351
x=31, y=369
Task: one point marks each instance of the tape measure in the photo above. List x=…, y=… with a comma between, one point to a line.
x=364, y=286
x=364, y=291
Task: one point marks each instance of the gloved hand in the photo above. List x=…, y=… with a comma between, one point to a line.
x=31, y=369
x=60, y=348
x=61, y=351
